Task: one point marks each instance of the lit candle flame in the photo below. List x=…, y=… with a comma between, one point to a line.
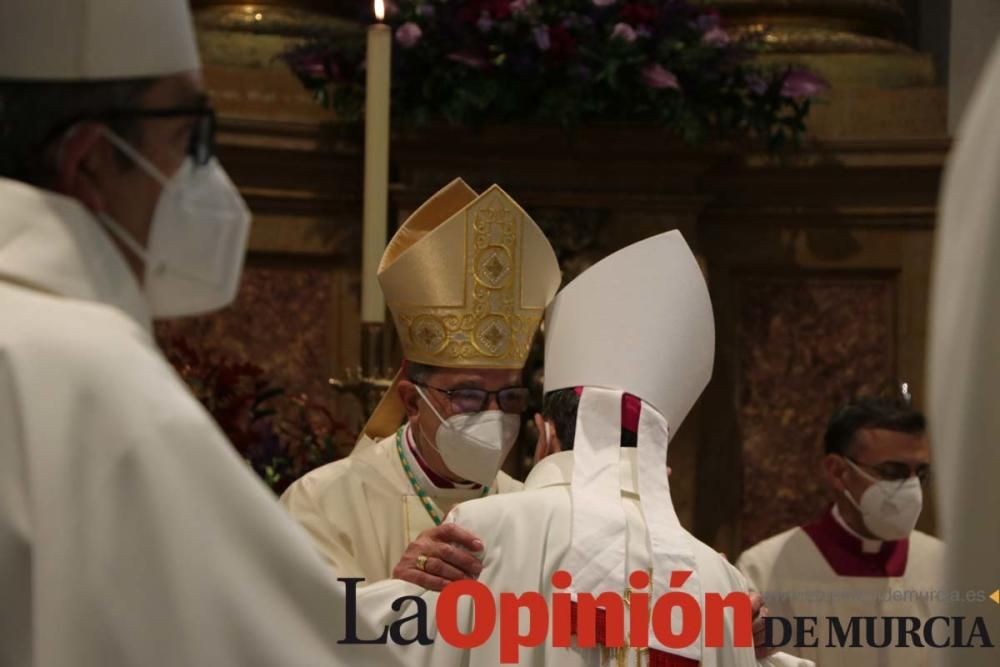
x=379, y=10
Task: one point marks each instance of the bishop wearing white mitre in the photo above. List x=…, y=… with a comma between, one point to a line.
x=637, y=324
x=467, y=278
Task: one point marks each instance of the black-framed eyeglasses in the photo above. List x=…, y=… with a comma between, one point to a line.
x=201, y=147
x=464, y=400
x=895, y=471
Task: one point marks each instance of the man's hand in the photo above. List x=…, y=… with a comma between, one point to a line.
x=440, y=550
x=759, y=614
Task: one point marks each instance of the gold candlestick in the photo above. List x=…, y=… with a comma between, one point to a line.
x=370, y=380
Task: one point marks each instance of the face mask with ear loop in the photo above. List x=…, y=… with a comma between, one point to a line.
x=474, y=445
x=197, y=237
x=888, y=509
x=548, y=434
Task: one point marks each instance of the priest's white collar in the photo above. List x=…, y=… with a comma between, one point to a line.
x=557, y=470
x=868, y=545
x=52, y=243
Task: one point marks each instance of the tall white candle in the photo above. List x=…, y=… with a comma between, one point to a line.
x=376, y=195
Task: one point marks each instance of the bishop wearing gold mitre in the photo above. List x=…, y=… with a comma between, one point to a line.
x=467, y=278
x=596, y=521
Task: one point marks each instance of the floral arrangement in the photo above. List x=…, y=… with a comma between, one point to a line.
x=282, y=436
x=476, y=62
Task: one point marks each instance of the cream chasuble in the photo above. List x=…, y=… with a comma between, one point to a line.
x=467, y=277
x=823, y=570
x=527, y=537
x=362, y=511
x=131, y=533
x=512, y=527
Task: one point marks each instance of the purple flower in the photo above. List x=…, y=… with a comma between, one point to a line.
x=644, y=32
x=519, y=6
x=541, y=34
x=756, y=84
x=655, y=76
x=802, y=83
x=485, y=23
x=623, y=31
x=604, y=3
x=313, y=65
x=426, y=10
x=716, y=37
x=408, y=34
x=706, y=22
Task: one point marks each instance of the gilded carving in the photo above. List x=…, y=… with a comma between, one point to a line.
x=492, y=325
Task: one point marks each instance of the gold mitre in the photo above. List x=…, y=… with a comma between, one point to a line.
x=467, y=278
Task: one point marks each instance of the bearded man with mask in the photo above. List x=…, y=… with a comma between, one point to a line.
x=130, y=531
x=849, y=561
x=467, y=278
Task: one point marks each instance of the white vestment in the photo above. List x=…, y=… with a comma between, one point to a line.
x=131, y=533
x=526, y=537
x=362, y=511
x=799, y=578
x=964, y=359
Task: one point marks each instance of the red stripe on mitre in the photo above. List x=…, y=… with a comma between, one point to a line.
x=631, y=407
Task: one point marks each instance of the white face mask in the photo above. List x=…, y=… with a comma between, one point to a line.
x=889, y=509
x=474, y=445
x=197, y=238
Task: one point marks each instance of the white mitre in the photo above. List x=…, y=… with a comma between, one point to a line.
x=75, y=40
x=639, y=322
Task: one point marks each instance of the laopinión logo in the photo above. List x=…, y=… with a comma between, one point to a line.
x=575, y=622
x=565, y=620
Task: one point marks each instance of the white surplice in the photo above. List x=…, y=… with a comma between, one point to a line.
x=131, y=533
x=362, y=510
x=838, y=577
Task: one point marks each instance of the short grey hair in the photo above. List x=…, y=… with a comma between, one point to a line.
x=34, y=114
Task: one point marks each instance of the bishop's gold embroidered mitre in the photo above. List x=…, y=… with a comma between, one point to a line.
x=467, y=278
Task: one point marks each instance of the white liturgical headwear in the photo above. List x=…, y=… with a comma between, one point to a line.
x=76, y=40
x=637, y=322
